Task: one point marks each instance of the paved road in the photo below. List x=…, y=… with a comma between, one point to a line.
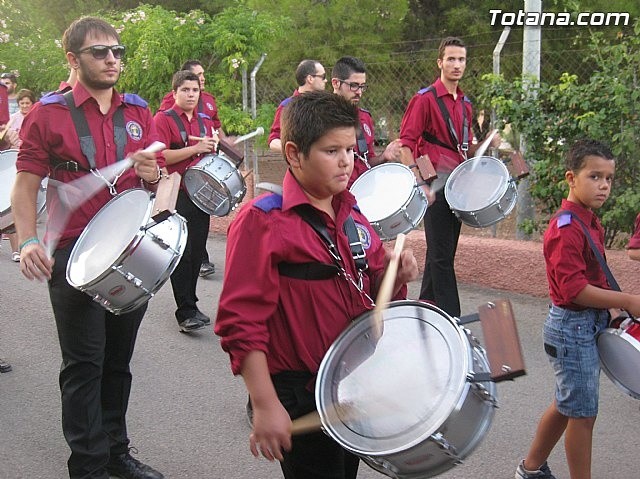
x=186, y=414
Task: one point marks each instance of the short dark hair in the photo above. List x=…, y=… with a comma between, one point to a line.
x=585, y=147
x=11, y=76
x=309, y=116
x=75, y=35
x=449, y=42
x=182, y=76
x=347, y=66
x=25, y=93
x=305, y=68
x=189, y=64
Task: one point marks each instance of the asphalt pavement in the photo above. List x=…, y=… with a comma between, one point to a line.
x=187, y=411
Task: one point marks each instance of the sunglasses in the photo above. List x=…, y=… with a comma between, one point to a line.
x=100, y=52
x=323, y=76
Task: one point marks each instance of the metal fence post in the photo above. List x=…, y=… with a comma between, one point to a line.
x=530, y=70
x=254, y=113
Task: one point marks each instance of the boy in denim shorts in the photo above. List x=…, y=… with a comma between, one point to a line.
x=581, y=298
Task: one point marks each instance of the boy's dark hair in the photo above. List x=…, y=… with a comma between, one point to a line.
x=583, y=148
x=182, y=76
x=347, y=66
x=75, y=35
x=449, y=42
x=309, y=116
x=305, y=68
x=189, y=64
x=11, y=76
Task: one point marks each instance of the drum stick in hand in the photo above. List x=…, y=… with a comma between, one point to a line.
x=386, y=286
x=485, y=144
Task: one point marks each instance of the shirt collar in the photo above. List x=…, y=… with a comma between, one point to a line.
x=81, y=95
x=587, y=216
x=441, y=90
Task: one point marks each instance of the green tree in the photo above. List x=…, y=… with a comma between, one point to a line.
x=602, y=106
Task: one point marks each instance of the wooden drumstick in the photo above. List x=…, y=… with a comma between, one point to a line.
x=386, y=287
x=308, y=423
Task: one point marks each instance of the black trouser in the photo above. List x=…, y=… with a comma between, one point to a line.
x=95, y=379
x=184, y=278
x=314, y=455
x=442, y=230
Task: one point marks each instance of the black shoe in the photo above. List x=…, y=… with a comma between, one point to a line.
x=200, y=316
x=207, y=269
x=127, y=467
x=5, y=367
x=190, y=324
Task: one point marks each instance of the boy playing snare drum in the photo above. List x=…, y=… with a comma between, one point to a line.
x=581, y=298
x=286, y=298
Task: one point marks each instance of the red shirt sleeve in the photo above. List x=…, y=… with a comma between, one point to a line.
x=634, y=242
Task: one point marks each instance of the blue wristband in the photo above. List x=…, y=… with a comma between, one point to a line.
x=28, y=241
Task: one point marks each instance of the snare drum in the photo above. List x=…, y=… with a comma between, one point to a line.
x=406, y=403
x=389, y=197
x=123, y=257
x=8, y=174
x=215, y=185
x=619, y=350
x=480, y=191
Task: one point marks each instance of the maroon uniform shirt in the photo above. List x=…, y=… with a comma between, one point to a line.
x=169, y=134
x=571, y=264
x=366, y=126
x=423, y=114
x=634, y=242
x=206, y=105
x=4, y=105
x=274, y=133
x=48, y=134
x=292, y=321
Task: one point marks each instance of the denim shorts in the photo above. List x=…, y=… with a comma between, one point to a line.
x=570, y=343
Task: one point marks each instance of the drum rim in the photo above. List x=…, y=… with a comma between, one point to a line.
x=86, y=231
x=456, y=172
x=463, y=385
x=199, y=167
x=415, y=188
x=623, y=335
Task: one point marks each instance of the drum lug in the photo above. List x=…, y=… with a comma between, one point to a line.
x=389, y=469
x=131, y=278
x=483, y=394
x=105, y=303
x=448, y=449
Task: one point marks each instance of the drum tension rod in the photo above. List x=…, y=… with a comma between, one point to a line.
x=468, y=318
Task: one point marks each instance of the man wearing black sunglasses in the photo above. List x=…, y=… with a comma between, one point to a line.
x=310, y=76
x=349, y=80
x=96, y=345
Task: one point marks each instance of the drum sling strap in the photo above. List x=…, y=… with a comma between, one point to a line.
x=317, y=271
x=87, y=145
x=183, y=133
x=363, y=149
x=603, y=263
x=455, y=143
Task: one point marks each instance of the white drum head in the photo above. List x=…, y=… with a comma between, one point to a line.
x=476, y=183
x=383, y=190
x=8, y=174
x=108, y=235
x=381, y=397
x=619, y=355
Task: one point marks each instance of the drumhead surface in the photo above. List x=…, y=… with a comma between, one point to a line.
x=377, y=397
x=476, y=183
x=8, y=174
x=619, y=356
x=108, y=235
x=383, y=190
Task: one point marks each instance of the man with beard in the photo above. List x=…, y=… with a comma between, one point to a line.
x=349, y=80
x=96, y=345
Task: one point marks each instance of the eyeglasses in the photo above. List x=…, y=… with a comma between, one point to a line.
x=100, y=52
x=323, y=76
x=354, y=87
